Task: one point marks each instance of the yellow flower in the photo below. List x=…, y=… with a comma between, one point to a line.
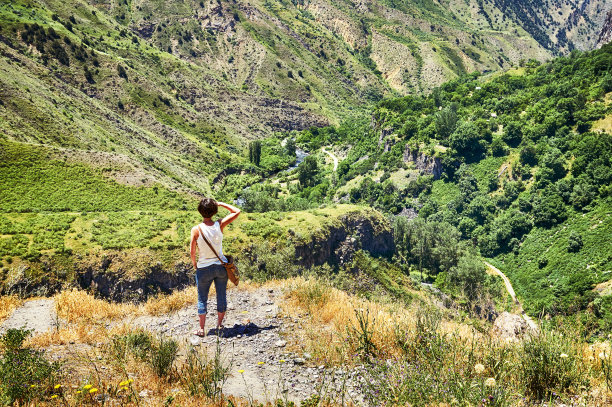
x=131, y=381
x=479, y=368
x=124, y=388
x=241, y=371
x=54, y=396
x=564, y=356
x=282, y=360
x=79, y=391
x=124, y=383
x=57, y=386
x=32, y=385
x=87, y=386
x=490, y=382
x=92, y=391
x=260, y=363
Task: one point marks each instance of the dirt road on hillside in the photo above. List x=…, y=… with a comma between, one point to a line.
x=510, y=290
x=333, y=156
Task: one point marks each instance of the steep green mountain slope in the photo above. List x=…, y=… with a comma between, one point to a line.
x=173, y=88
x=514, y=164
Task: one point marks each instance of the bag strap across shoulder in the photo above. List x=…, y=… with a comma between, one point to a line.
x=209, y=244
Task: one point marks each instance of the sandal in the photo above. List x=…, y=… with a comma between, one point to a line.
x=200, y=333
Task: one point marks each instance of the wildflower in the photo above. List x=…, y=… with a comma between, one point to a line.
x=54, y=396
x=87, y=386
x=260, y=363
x=241, y=371
x=92, y=391
x=591, y=358
x=32, y=385
x=130, y=380
x=57, y=386
x=603, y=356
x=79, y=391
x=564, y=356
x=124, y=388
x=124, y=383
x=479, y=368
x=282, y=360
x=490, y=382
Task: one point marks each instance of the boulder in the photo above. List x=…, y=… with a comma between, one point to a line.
x=513, y=326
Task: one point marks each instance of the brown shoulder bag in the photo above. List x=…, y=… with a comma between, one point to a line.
x=230, y=266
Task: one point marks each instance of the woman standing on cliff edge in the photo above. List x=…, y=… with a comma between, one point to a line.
x=208, y=267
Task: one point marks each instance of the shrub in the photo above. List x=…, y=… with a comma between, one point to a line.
x=163, y=354
x=200, y=376
x=25, y=374
x=574, y=243
x=550, y=364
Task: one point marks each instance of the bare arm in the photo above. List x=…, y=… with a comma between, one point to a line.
x=234, y=212
x=193, y=246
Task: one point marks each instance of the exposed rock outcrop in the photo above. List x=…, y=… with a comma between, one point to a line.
x=426, y=164
x=338, y=243
x=512, y=326
x=605, y=36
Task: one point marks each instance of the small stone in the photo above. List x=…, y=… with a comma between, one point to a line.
x=299, y=361
x=144, y=393
x=194, y=341
x=269, y=310
x=307, y=356
x=321, y=367
x=280, y=343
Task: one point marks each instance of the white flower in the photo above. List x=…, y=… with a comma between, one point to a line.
x=490, y=382
x=564, y=356
x=603, y=356
x=479, y=368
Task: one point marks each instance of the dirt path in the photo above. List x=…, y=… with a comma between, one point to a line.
x=333, y=156
x=38, y=315
x=255, y=341
x=510, y=290
x=256, y=344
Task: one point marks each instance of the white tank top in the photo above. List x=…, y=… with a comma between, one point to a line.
x=215, y=237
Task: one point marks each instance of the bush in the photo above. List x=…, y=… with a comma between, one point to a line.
x=163, y=354
x=550, y=364
x=574, y=243
x=25, y=374
x=200, y=376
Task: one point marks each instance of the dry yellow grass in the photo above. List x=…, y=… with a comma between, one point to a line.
x=333, y=314
x=164, y=304
x=79, y=306
x=8, y=304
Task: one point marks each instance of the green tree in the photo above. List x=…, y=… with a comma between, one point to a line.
x=513, y=133
x=308, y=171
x=466, y=140
x=446, y=121
x=255, y=152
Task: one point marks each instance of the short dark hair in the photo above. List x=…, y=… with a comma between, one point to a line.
x=208, y=207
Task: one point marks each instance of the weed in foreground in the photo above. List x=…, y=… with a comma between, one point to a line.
x=550, y=364
x=162, y=355
x=201, y=376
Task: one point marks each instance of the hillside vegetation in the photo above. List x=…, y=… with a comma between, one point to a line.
x=175, y=87
x=516, y=164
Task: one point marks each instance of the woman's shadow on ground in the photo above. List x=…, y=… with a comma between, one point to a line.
x=237, y=330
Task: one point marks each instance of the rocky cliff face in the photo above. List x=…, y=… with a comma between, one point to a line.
x=336, y=245
x=424, y=163
x=606, y=31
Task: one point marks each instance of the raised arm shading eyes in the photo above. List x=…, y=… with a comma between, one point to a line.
x=234, y=212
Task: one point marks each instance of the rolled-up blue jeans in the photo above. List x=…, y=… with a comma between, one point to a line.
x=204, y=278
